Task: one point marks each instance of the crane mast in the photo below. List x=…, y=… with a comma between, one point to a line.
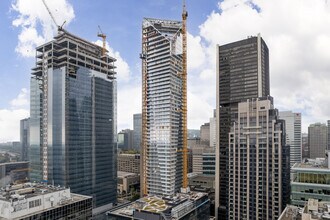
x=184, y=97
x=104, y=37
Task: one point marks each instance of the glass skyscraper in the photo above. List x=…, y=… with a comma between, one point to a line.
x=73, y=118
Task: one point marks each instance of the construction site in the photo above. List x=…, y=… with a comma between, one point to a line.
x=73, y=117
x=164, y=106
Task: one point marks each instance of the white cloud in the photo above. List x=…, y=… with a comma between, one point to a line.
x=196, y=56
x=123, y=70
x=36, y=24
x=129, y=103
x=10, y=118
x=297, y=35
x=22, y=99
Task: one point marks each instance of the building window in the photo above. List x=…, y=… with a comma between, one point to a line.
x=34, y=203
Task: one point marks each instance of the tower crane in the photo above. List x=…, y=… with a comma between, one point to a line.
x=59, y=28
x=184, y=98
x=104, y=37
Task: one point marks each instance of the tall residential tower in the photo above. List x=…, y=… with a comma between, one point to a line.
x=162, y=96
x=73, y=117
x=242, y=73
x=255, y=161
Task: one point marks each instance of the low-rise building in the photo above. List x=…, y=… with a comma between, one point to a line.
x=313, y=210
x=39, y=201
x=193, y=205
x=203, y=181
x=128, y=163
x=311, y=180
x=127, y=182
x=203, y=157
x=14, y=172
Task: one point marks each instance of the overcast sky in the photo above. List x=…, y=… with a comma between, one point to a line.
x=296, y=31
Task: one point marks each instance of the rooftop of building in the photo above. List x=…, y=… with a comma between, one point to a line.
x=313, y=210
x=71, y=51
x=19, y=196
x=201, y=176
x=129, y=154
x=16, y=162
x=312, y=164
x=122, y=174
x=163, y=22
x=26, y=190
x=155, y=204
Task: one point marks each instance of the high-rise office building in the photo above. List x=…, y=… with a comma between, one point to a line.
x=34, y=152
x=311, y=180
x=305, y=147
x=125, y=139
x=255, y=161
x=25, y=138
x=317, y=140
x=293, y=135
x=205, y=132
x=242, y=73
x=73, y=117
x=162, y=96
x=137, y=131
x=213, y=130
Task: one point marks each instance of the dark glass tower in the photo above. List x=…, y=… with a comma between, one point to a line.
x=242, y=73
x=75, y=89
x=25, y=138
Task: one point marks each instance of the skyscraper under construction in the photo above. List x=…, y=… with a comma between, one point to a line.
x=73, y=118
x=163, y=116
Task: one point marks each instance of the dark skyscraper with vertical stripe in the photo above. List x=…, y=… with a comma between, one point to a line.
x=242, y=73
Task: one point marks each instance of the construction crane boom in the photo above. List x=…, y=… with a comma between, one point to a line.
x=59, y=28
x=184, y=96
x=104, y=37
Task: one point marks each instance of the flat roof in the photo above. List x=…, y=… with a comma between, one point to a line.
x=28, y=190
x=125, y=174
x=312, y=165
x=155, y=204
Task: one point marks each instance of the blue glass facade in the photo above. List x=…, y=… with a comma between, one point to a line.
x=81, y=124
x=77, y=128
x=34, y=151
